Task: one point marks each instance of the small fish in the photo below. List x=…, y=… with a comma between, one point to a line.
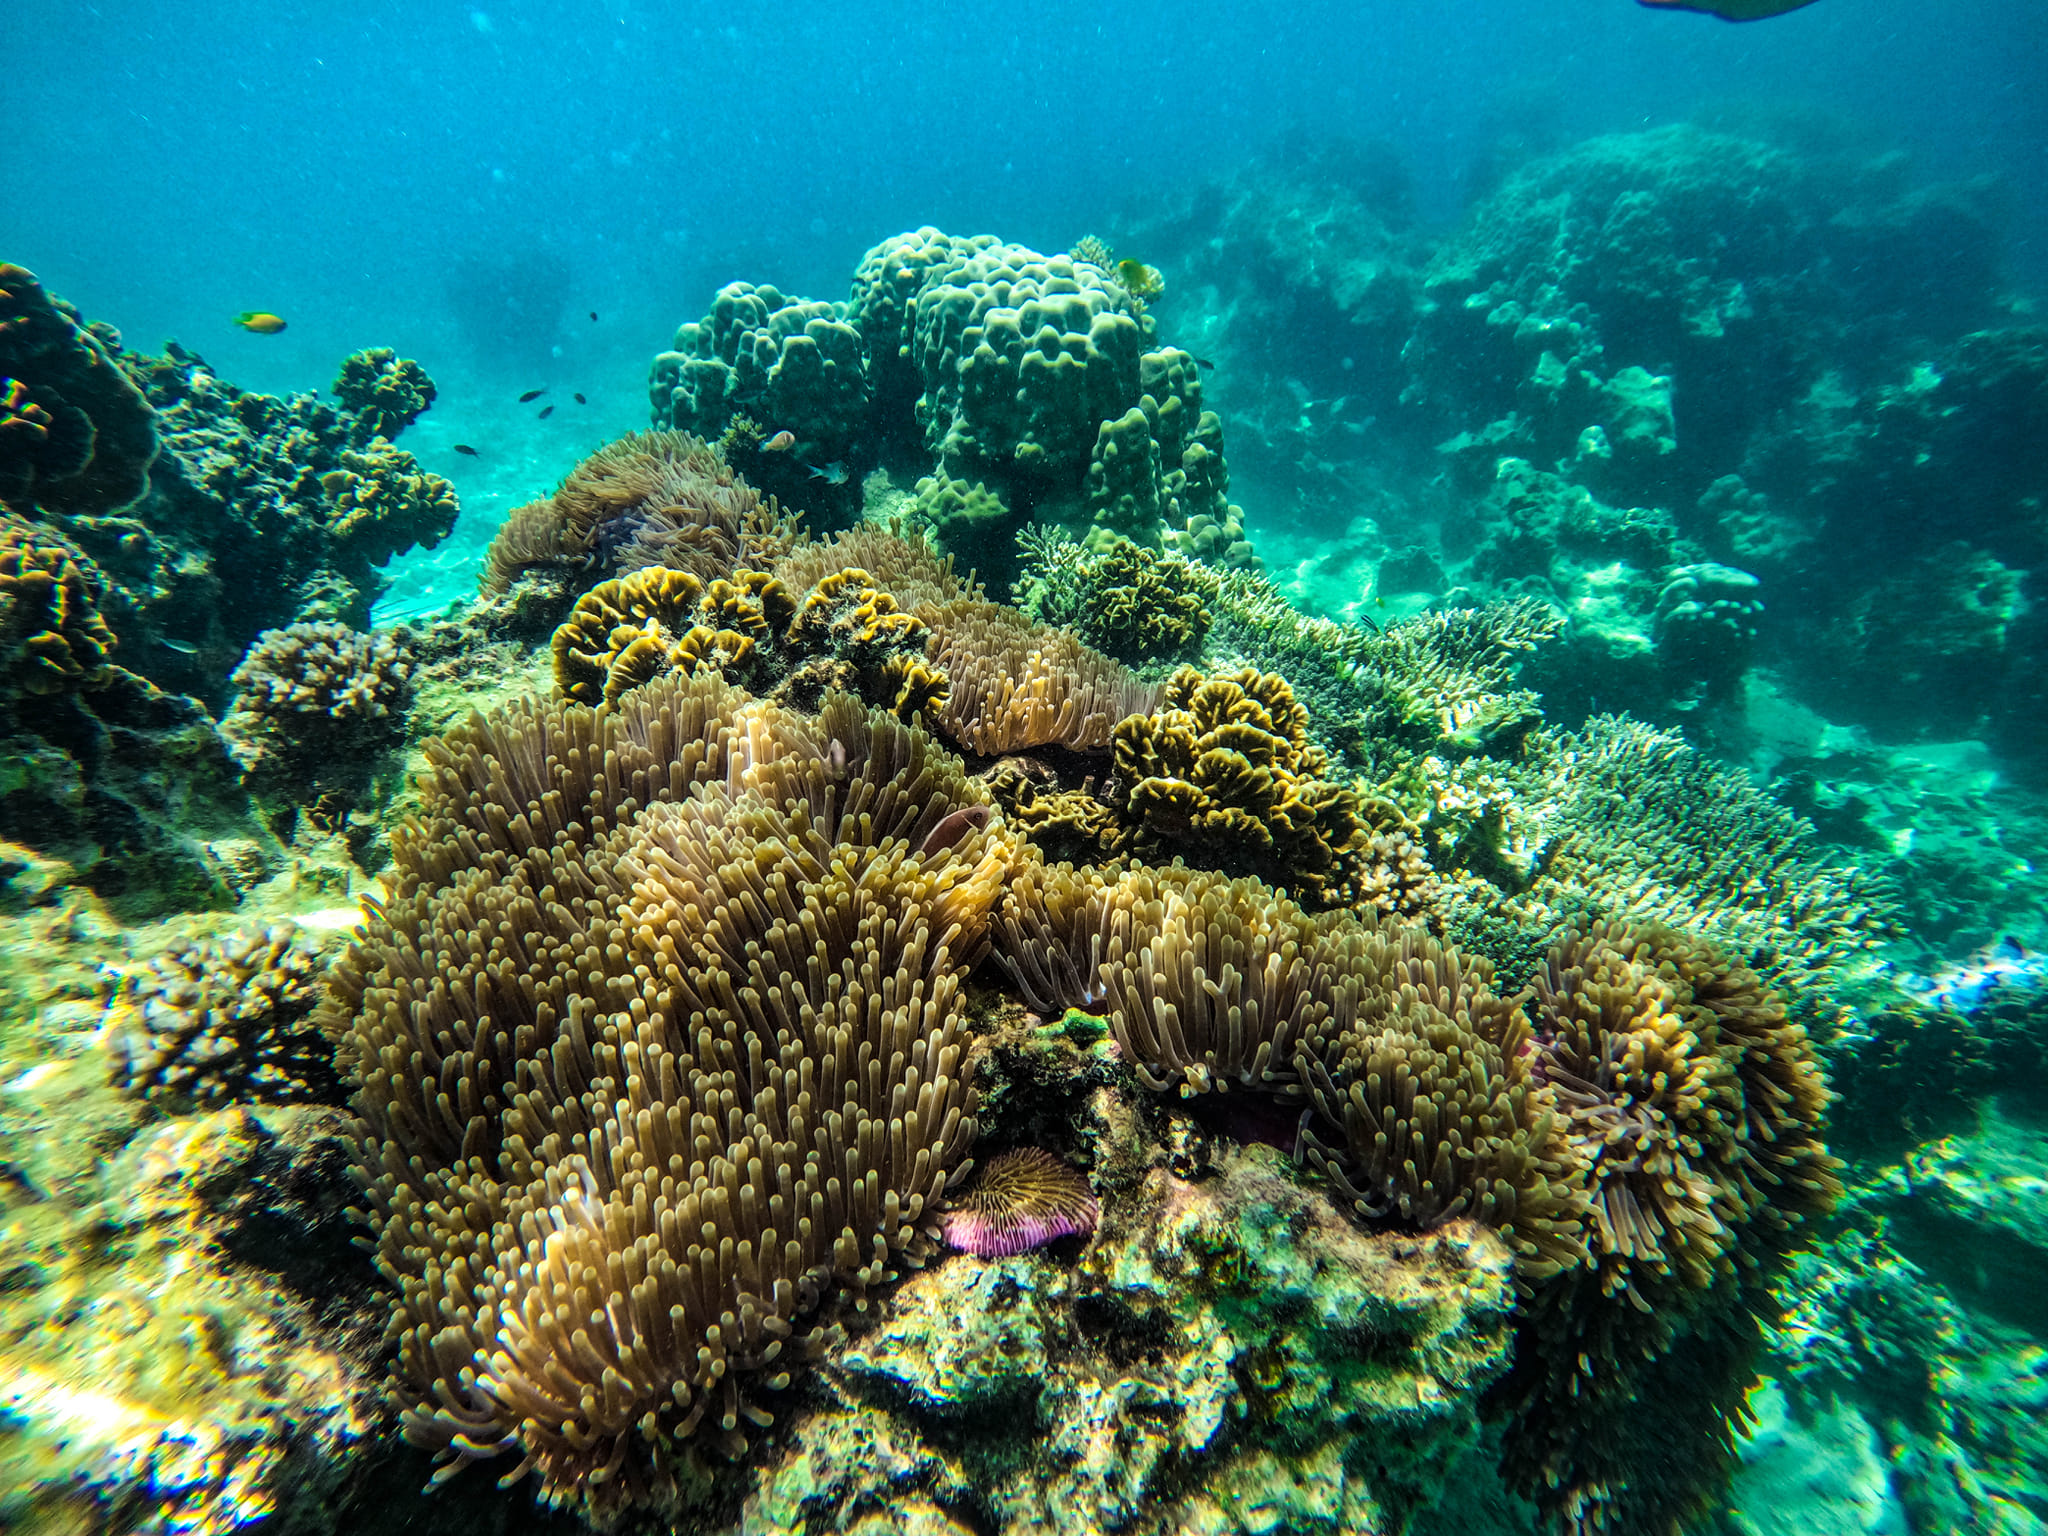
x=531, y=395
x=781, y=442
x=593, y=315
x=467, y=451
x=261, y=321
x=182, y=647
x=1730, y=10
x=1203, y=362
x=1144, y=282
x=579, y=400
x=832, y=474
x=545, y=412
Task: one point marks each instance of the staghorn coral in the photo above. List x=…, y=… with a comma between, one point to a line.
x=1016, y=684
x=1635, y=825
x=1225, y=772
x=52, y=637
x=1024, y=1199
x=679, y=934
x=1693, y=1104
x=384, y=391
x=228, y=1021
x=647, y=499
x=76, y=437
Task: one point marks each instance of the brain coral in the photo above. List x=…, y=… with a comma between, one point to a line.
x=75, y=434
x=52, y=637
x=660, y=1053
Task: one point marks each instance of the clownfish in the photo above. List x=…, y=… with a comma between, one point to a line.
x=262, y=322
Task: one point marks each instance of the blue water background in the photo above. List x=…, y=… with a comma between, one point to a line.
x=468, y=183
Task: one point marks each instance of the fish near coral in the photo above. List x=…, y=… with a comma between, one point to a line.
x=1730, y=10
x=262, y=322
x=1143, y=282
x=781, y=442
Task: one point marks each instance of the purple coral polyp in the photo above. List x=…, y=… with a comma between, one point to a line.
x=1024, y=1199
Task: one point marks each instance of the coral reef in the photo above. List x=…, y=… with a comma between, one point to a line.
x=1128, y=602
x=52, y=636
x=75, y=435
x=1017, y=685
x=793, y=366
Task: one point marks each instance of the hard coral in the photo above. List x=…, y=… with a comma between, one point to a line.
x=226, y=1021
x=384, y=391
x=1127, y=601
x=1225, y=772
x=723, y=976
x=75, y=435
x=52, y=637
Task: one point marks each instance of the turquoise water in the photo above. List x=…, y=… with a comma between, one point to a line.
x=1717, y=349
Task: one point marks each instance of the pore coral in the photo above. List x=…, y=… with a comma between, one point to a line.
x=660, y=1054
x=1224, y=772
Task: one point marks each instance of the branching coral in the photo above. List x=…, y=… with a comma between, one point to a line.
x=1225, y=773
x=1016, y=684
x=75, y=435
x=52, y=637
x=310, y=684
x=660, y=1053
x=229, y=1021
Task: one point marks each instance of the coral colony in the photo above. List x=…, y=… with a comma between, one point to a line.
x=589, y=1048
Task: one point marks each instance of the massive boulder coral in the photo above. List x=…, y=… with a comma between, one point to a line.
x=790, y=365
x=75, y=435
x=813, y=1115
